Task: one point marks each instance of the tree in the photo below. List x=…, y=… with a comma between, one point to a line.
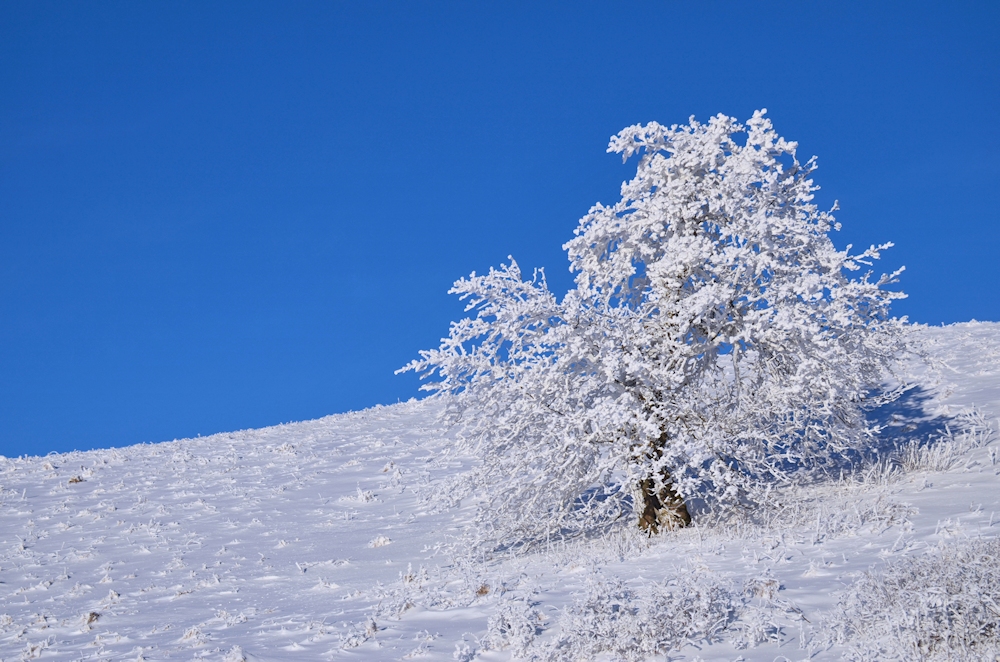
x=713, y=347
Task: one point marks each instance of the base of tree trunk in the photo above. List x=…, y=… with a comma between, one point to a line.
x=662, y=508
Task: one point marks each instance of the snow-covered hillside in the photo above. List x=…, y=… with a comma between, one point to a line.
x=311, y=541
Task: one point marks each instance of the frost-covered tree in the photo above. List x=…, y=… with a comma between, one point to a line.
x=714, y=346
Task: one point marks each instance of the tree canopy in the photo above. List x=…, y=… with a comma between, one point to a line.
x=715, y=344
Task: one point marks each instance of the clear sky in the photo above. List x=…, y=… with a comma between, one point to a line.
x=217, y=216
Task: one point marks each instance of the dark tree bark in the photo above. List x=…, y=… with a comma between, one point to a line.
x=662, y=507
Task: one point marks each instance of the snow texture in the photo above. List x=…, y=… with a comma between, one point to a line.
x=315, y=540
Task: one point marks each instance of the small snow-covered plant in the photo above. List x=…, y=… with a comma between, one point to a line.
x=714, y=345
x=944, y=605
x=235, y=654
x=638, y=623
x=463, y=652
x=513, y=625
x=948, y=449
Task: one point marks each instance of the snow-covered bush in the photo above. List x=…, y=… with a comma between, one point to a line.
x=944, y=605
x=513, y=626
x=713, y=345
x=639, y=623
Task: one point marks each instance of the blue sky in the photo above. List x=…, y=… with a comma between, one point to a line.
x=217, y=216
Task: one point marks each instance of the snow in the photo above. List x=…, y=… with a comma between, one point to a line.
x=313, y=541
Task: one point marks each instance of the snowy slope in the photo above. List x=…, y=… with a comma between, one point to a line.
x=310, y=541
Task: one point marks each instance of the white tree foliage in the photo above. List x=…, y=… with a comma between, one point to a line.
x=714, y=343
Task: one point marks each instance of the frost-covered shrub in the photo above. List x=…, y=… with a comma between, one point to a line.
x=636, y=623
x=944, y=605
x=713, y=344
x=513, y=625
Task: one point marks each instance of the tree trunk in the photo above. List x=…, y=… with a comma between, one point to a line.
x=663, y=507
